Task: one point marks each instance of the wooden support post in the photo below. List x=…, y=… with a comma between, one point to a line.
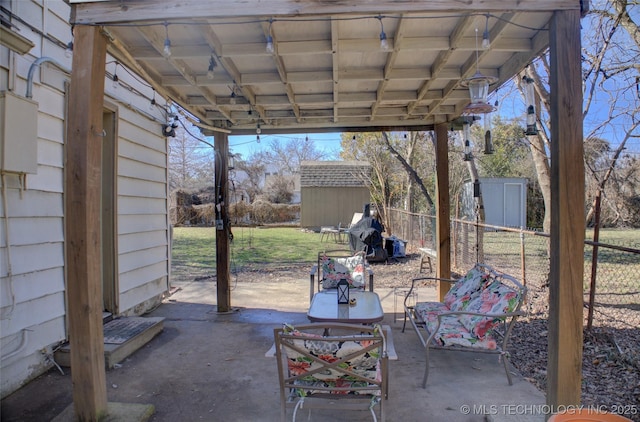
x=443, y=227
x=82, y=229
x=223, y=223
x=567, y=213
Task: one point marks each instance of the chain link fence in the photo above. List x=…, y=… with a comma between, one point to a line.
x=611, y=272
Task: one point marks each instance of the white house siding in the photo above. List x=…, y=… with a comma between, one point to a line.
x=143, y=237
x=32, y=299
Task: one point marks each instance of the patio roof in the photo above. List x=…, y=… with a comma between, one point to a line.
x=327, y=70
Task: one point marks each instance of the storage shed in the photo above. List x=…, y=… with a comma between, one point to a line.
x=331, y=191
x=504, y=199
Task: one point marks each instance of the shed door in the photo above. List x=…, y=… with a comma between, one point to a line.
x=513, y=206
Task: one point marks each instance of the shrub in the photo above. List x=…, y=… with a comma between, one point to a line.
x=239, y=212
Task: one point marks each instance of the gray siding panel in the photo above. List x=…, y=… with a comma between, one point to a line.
x=331, y=206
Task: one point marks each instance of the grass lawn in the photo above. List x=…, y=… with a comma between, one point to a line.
x=194, y=252
x=195, y=247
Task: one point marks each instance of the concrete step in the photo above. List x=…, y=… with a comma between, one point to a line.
x=122, y=337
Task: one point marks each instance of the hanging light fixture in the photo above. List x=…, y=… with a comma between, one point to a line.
x=269, y=46
x=166, y=51
x=115, y=83
x=529, y=98
x=152, y=103
x=212, y=66
x=486, y=42
x=169, y=129
x=384, y=43
x=468, y=155
x=478, y=90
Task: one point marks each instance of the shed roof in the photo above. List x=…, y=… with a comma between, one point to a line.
x=334, y=174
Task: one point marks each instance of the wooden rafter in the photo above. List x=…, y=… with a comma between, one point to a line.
x=144, y=10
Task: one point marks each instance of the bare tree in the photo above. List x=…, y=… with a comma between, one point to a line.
x=279, y=189
x=279, y=162
x=611, y=63
x=288, y=155
x=386, y=178
x=408, y=165
x=191, y=163
x=614, y=68
x=253, y=168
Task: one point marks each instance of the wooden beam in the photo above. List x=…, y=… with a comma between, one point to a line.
x=470, y=66
x=361, y=75
x=441, y=60
x=286, y=48
x=121, y=53
x=212, y=38
x=426, y=44
x=356, y=99
x=443, y=231
x=518, y=61
x=564, y=367
x=303, y=77
x=272, y=100
x=267, y=78
x=282, y=70
x=392, y=58
x=82, y=213
x=177, y=52
x=335, y=59
x=223, y=223
x=144, y=10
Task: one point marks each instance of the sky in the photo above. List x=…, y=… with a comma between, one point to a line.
x=246, y=145
x=509, y=108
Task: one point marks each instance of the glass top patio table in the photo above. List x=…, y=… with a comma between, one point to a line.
x=325, y=308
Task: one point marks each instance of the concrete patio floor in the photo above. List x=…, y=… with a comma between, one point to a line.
x=206, y=366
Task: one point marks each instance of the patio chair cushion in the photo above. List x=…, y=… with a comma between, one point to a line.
x=330, y=380
x=496, y=298
x=465, y=289
x=480, y=308
x=451, y=331
x=349, y=268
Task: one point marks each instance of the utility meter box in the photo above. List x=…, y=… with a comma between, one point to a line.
x=18, y=134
